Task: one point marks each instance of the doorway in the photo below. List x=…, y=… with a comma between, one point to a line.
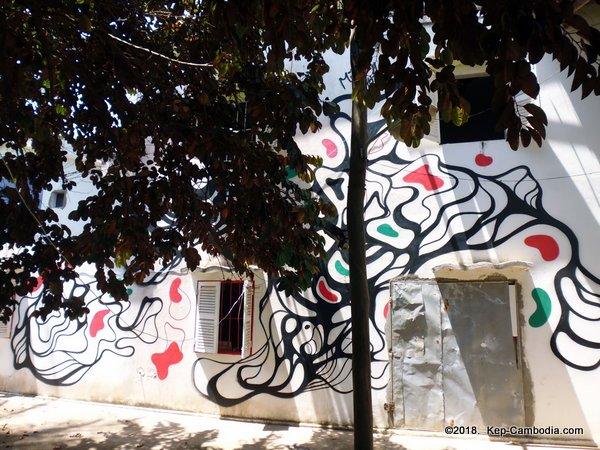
x=455, y=355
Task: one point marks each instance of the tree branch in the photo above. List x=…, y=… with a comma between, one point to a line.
x=160, y=55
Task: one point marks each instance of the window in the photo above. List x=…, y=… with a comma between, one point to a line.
x=224, y=317
x=482, y=120
x=58, y=199
x=5, y=329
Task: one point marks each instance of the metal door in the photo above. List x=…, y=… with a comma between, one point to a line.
x=455, y=358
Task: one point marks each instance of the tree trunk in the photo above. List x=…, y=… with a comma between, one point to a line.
x=359, y=288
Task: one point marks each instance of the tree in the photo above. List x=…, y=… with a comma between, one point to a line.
x=191, y=67
x=102, y=80
x=504, y=37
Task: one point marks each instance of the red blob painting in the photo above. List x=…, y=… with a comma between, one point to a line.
x=174, y=294
x=162, y=361
x=331, y=149
x=386, y=310
x=547, y=246
x=423, y=176
x=97, y=322
x=39, y=284
x=325, y=292
x=483, y=160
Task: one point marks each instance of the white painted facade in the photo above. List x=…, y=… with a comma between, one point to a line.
x=533, y=218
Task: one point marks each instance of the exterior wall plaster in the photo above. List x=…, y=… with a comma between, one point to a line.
x=460, y=211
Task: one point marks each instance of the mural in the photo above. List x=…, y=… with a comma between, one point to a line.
x=60, y=352
x=418, y=210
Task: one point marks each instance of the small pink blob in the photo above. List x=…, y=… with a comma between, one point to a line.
x=424, y=177
x=97, y=323
x=174, y=294
x=162, y=361
x=330, y=147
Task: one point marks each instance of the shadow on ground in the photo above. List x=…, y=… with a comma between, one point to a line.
x=168, y=436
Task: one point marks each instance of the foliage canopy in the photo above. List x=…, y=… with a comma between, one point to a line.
x=205, y=83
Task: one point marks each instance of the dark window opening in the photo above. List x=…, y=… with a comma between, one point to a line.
x=482, y=120
x=58, y=199
x=231, y=317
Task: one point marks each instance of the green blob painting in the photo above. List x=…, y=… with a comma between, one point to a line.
x=342, y=270
x=543, y=310
x=290, y=173
x=387, y=230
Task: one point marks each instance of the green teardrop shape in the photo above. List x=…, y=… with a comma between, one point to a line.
x=341, y=269
x=543, y=310
x=387, y=230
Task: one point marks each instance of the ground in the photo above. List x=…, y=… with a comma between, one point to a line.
x=40, y=423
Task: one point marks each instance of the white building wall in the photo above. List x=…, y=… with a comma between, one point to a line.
x=543, y=206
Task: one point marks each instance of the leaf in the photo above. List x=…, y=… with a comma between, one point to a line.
x=536, y=112
x=536, y=137
x=84, y=23
x=395, y=131
x=580, y=24
x=525, y=137
x=587, y=87
x=512, y=136
x=529, y=85
x=445, y=107
x=459, y=116
x=537, y=125
x=406, y=128
x=192, y=257
x=330, y=108
x=580, y=74
x=121, y=257
x=508, y=112
x=536, y=50
x=446, y=57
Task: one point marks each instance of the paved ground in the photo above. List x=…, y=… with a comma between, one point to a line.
x=41, y=423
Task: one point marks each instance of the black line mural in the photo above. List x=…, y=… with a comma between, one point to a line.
x=416, y=210
x=419, y=209
x=60, y=352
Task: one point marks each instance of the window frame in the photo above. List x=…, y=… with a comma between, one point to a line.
x=210, y=314
x=6, y=328
x=459, y=134
x=54, y=195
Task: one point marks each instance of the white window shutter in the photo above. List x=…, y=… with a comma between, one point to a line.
x=248, y=310
x=207, y=317
x=5, y=330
